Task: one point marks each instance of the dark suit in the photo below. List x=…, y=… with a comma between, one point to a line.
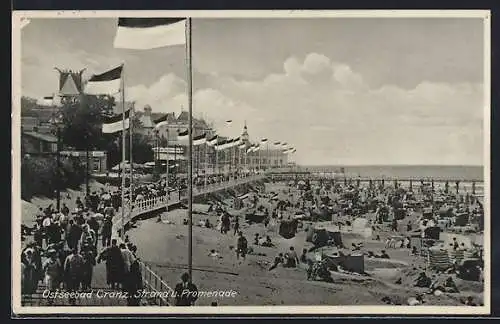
x=182, y=298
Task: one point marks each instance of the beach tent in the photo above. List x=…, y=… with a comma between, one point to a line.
x=438, y=259
x=288, y=228
x=317, y=235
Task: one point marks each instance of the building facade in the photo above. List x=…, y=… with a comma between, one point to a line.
x=97, y=159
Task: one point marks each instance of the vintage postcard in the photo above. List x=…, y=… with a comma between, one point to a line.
x=247, y=162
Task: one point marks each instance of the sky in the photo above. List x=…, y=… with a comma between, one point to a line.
x=342, y=91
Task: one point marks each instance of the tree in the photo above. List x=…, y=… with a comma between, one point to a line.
x=82, y=120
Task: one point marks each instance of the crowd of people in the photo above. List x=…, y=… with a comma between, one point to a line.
x=65, y=248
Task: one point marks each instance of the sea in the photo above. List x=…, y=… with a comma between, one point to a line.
x=438, y=172
x=466, y=173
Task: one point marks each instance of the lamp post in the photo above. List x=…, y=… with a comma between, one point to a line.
x=57, y=122
x=156, y=155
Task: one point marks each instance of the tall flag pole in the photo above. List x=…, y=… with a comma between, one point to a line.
x=130, y=131
x=110, y=83
x=190, y=146
x=150, y=33
x=124, y=138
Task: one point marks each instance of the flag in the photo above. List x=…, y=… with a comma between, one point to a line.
x=199, y=140
x=183, y=136
x=250, y=149
x=149, y=33
x=284, y=144
x=106, y=83
x=236, y=142
x=212, y=141
x=242, y=146
x=229, y=121
x=228, y=144
x=256, y=148
x=160, y=122
x=47, y=101
x=220, y=146
x=264, y=140
x=277, y=143
x=114, y=124
x=294, y=150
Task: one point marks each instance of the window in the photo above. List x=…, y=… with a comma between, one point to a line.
x=96, y=166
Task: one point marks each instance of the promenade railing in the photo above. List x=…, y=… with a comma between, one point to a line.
x=144, y=206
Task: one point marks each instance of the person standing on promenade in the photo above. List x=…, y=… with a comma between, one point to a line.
x=186, y=293
x=52, y=270
x=114, y=264
x=73, y=271
x=106, y=231
x=88, y=255
x=128, y=259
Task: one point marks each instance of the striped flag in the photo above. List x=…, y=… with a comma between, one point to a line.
x=277, y=143
x=213, y=140
x=220, y=145
x=115, y=123
x=107, y=83
x=183, y=136
x=160, y=122
x=200, y=140
x=264, y=140
x=236, y=142
x=229, y=144
x=284, y=144
x=149, y=33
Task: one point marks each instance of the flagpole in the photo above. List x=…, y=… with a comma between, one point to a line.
x=168, y=171
x=268, y=158
x=206, y=161
x=190, y=146
x=124, y=138
x=130, y=131
x=216, y=160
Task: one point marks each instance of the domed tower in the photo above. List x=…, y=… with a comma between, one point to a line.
x=244, y=135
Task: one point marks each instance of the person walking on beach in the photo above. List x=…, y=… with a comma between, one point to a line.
x=236, y=226
x=241, y=246
x=185, y=292
x=114, y=264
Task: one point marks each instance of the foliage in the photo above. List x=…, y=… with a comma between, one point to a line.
x=81, y=129
x=39, y=175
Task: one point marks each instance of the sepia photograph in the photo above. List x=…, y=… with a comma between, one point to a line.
x=251, y=162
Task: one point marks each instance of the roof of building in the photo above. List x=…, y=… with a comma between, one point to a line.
x=42, y=136
x=156, y=116
x=69, y=86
